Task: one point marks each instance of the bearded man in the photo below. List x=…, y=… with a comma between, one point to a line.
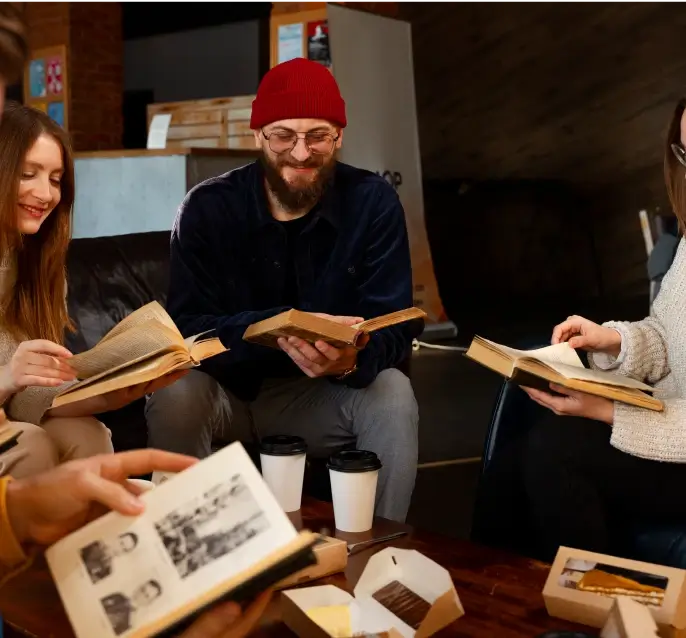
x=296, y=229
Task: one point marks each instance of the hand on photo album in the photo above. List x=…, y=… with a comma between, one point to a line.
x=583, y=334
x=573, y=403
x=46, y=507
x=321, y=359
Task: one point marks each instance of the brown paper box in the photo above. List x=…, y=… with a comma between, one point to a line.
x=332, y=557
x=419, y=574
x=562, y=600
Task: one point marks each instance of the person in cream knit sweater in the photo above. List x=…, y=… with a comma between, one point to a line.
x=590, y=466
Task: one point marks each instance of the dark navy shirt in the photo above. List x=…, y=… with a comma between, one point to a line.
x=230, y=263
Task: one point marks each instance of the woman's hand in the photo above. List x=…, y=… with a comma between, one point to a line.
x=119, y=398
x=574, y=403
x=586, y=335
x=48, y=506
x=115, y=399
x=36, y=363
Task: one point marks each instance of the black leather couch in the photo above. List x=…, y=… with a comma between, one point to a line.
x=646, y=541
x=108, y=278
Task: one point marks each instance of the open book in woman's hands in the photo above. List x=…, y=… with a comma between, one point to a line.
x=143, y=347
x=560, y=364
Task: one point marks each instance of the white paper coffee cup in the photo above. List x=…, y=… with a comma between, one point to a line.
x=354, y=475
x=283, y=468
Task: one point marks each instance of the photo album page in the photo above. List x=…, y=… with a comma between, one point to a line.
x=126, y=576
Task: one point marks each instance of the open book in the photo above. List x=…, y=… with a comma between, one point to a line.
x=309, y=327
x=560, y=364
x=142, y=347
x=213, y=532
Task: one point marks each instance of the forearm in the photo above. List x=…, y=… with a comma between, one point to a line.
x=86, y=407
x=643, y=353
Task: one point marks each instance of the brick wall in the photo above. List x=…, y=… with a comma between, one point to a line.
x=93, y=33
x=97, y=75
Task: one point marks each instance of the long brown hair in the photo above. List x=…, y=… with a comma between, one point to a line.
x=35, y=307
x=674, y=170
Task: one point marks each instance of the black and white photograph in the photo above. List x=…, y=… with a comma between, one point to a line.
x=98, y=557
x=211, y=525
x=121, y=609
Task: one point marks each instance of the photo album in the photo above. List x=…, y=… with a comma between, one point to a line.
x=213, y=532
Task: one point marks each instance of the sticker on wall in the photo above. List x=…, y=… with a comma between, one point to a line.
x=290, y=42
x=54, y=73
x=318, y=42
x=56, y=112
x=37, y=78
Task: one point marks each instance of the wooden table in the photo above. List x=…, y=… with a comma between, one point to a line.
x=500, y=592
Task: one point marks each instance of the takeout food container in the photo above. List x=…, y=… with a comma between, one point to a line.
x=332, y=557
x=401, y=593
x=583, y=586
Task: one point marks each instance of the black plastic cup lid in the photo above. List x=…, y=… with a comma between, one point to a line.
x=283, y=445
x=354, y=461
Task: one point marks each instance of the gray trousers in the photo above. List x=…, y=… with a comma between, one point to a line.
x=383, y=418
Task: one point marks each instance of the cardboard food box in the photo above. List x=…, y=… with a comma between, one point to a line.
x=629, y=619
x=401, y=593
x=332, y=557
x=583, y=586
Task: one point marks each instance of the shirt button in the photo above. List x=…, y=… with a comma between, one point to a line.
x=351, y=270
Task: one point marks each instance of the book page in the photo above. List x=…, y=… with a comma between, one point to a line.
x=391, y=319
x=149, y=369
x=119, y=575
x=561, y=353
x=146, y=339
x=598, y=376
x=149, y=312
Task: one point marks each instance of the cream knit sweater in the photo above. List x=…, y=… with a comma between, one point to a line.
x=654, y=351
x=29, y=405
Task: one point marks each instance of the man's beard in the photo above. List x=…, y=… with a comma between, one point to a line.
x=297, y=197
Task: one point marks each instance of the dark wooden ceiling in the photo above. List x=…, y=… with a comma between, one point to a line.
x=580, y=92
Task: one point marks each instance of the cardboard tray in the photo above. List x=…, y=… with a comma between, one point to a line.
x=416, y=572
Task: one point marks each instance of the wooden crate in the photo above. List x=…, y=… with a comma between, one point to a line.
x=216, y=123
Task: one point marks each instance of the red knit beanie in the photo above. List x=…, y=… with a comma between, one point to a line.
x=298, y=88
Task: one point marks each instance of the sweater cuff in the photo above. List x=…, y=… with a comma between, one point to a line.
x=12, y=555
x=603, y=361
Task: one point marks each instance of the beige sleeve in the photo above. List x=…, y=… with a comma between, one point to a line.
x=660, y=436
x=31, y=404
x=644, y=351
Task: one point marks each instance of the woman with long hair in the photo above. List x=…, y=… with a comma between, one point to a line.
x=590, y=466
x=36, y=199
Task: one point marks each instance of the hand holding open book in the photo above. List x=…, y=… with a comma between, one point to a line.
x=312, y=327
x=560, y=364
x=145, y=346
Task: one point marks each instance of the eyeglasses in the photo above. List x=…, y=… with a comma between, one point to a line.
x=679, y=153
x=317, y=142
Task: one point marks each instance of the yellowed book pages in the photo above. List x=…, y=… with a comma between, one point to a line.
x=311, y=328
x=144, y=346
x=560, y=364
